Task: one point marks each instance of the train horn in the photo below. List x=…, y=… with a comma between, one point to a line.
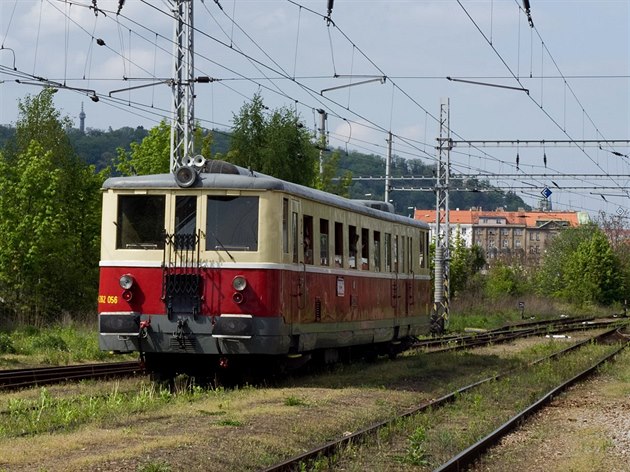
x=188, y=161
x=185, y=176
x=199, y=161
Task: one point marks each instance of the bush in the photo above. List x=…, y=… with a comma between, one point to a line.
x=6, y=344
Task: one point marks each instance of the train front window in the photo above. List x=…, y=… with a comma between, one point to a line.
x=140, y=222
x=232, y=223
x=185, y=221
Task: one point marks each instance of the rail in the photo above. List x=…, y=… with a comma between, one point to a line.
x=23, y=378
x=332, y=447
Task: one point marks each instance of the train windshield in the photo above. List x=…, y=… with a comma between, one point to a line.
x=232, y=223
x=140, y=222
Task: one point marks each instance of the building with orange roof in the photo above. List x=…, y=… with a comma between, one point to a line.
x=506, y=234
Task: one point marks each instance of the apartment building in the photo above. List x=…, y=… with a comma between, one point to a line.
x=506, y=234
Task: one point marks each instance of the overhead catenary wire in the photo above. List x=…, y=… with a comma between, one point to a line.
x=400, y=142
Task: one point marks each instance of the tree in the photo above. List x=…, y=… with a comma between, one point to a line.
x=153, y=154
x=276, y=144
x=593, y=272
x=464, y=264
x=504, y=280
x=49, y=216
x=581, y=267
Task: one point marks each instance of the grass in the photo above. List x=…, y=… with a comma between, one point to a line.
x=54, y=345
x=472, y=311
x=243, y=429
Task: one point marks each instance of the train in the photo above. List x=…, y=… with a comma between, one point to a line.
x=222, y=267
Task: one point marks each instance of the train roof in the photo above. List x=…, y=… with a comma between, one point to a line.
x=243, y=179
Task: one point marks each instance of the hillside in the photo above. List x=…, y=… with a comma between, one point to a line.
x=98, y=148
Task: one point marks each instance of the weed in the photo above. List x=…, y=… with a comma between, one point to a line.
x=6, y=344
x=417, y=452
x=49, y=341
x=229, y=422
x=160, y=466
x=294, y=401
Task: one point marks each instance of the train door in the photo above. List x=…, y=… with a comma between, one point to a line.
x=182, y=289
x=410, y=284
x=298, y=282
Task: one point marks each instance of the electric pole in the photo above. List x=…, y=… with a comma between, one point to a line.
x=439, y=317
x=183, y=121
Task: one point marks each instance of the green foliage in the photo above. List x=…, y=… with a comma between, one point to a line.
x=464, y=264
x=417, y=448
x=330, y=164
x=159, y=466
x=98, y=148
x=593, y=272
x=6, y=344
x=49, y=217
x=151, y=156
x=294, y=401
x=503, y=280
x=55, y=345
x=581, y=267
x=49, y=413
x=276, y=143
x=363, y=165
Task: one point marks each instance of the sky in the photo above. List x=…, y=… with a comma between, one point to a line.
x=387, y=62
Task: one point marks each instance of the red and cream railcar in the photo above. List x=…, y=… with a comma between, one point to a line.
x=241, y=264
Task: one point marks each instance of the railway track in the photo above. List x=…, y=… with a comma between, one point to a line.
x=23, y=378
x=510, y=333
x=460, y=461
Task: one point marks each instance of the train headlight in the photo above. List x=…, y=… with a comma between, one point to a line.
x=126, y=281
x=239, y=283
x=127, y=295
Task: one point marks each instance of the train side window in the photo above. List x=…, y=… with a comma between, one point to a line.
x=377, y=251
x=421, y=251
x=294, y=235
x=403, y=265
x=285, y=225
x=323, y=242
x=232, y=223
x=185, y=221
x=307, y=227
x=410, y=254
x=353, y=239
x=395, y=253
x=140, y=222
x=388, y=252
x=338, y=244
x=365, y=249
